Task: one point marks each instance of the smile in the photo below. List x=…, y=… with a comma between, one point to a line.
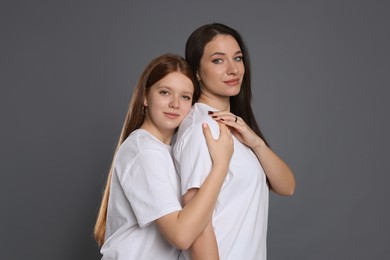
x=232, y=82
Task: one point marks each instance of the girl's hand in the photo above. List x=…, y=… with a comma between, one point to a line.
x=239, y=128
x=221, y=150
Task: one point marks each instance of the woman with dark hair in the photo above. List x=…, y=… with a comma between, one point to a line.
x=141, y=216
x=219, y=59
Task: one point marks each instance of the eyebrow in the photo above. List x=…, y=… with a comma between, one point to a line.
x=168, y=87
x=222, y=53
x=188, y=93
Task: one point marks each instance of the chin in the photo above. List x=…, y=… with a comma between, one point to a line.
x=234, y=93
x=172, y=127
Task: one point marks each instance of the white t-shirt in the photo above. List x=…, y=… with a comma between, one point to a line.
x=144, y=187
x=241, y=213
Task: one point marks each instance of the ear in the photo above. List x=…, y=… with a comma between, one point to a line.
x=145, y=102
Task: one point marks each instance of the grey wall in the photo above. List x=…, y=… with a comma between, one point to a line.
x=321, y=90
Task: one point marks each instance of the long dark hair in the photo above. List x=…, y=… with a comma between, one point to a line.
x=240, y=104
x=154, y=71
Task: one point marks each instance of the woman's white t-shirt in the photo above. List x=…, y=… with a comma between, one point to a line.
x=241, y=213
x=144, y=187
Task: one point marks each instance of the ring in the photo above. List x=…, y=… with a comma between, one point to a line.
x=236, y=119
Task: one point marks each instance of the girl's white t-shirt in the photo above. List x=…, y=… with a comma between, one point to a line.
x=241, y=213
x=144, y=187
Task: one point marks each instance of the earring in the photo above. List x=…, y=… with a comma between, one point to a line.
x=198, y=77
x=144, y=110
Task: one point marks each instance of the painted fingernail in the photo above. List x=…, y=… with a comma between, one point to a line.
x=211, y=112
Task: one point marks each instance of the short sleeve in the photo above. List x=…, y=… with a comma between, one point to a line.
x=151, y=186
x=192, y=157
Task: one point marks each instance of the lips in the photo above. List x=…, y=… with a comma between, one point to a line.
x=171, y=115
x=232, y=82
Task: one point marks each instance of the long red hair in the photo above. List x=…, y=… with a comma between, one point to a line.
x=157, y=69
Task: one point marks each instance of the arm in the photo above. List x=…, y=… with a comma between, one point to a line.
x=205, y=246
x=182, y=228
x=279, y=175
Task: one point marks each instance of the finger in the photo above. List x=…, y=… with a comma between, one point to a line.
x=207, y=133
x=221, y=114
x=226, y=116
x=228, y=123
x=222, y=128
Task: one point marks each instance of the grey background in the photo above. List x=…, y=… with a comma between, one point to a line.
x=321, y=90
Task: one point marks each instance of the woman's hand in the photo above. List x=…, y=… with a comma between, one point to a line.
x=239, y=128
x=280, y=176
x=221, y=150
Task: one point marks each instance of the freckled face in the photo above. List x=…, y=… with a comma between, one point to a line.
x=168, y=102
x=221, y=67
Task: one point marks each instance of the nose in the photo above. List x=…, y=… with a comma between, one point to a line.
x=175, y=103
x=232, y=69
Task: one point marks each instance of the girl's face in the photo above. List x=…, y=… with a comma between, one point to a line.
x=168, y=101
x=221, y=67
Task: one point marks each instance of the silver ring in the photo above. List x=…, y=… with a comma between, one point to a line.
x=236, y=119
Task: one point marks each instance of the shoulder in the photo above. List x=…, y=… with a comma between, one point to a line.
x=141, y=147
x=192, y=124
x=141, y=140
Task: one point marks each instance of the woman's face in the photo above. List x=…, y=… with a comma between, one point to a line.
x=168, y=101
x=221, y=67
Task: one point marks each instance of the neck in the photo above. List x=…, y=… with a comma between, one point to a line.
x=219, y=103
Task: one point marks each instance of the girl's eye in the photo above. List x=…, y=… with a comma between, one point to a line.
x=164, y=92
x=238, y=58
x=217, y=61
x=187, y=97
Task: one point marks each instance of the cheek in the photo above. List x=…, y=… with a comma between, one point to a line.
x=187, y=107
x=242, y=68
x=156, y=104
x=212, y=75
x=210, y=71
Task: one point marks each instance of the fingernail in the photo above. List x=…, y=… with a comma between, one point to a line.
x=204, y=125
x=222, y=119
x=211, y=112
x=214, y=116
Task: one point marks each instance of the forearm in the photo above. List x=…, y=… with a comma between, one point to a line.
x=199, y=207
x=205, y=246
x=182, y=228
x=279, y=174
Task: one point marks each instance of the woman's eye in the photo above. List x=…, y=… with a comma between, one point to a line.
x=187, y=97
x=238, y=58
x=164, y=92
x=217, y=61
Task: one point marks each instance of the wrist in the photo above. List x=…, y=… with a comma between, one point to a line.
x=258, y=144
x=220, y=167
